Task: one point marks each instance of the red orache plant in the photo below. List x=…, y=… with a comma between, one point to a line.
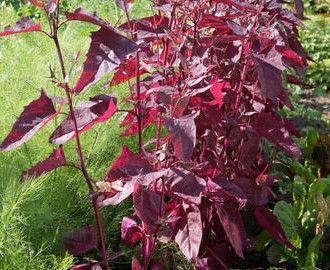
x=209, y=75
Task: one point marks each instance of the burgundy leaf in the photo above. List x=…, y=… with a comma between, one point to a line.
x=149, y=243
x=177, y=181
x=125, y=5
x=146, y=28
x=185, y=184
x=107, y=51
x=128, y=164
x=250, y=149
x=81, y=241
x=136, y=265
x=37, y=3
x=48, y=5
x=217, y=92
x=190, y=232
x=131, y=233
x=34, y=117
x=232, y=223
x=215, y=22
x=88, y=113
x=273, y=130
x=126, y=71
x=87, y=266
x=182, y=135
x=299, y=8
x=151, y=214
x=293, y=60
x=24, y=25
x=55, y=160
x=270, y=222
x=226, y=189
x=83, y=15
x=270, y=76
x=120, y=190
x=148, y=117
x=120, y=175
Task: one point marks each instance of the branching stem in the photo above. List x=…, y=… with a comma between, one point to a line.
x=88, y=179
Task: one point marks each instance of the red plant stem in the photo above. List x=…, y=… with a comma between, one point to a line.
x=159, y=126
x=81, y=155
x=138, y=104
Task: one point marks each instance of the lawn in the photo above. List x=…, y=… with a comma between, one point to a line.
x=35, y=215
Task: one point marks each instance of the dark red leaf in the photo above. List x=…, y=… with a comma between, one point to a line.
x=34, y=117
x=88, y=113
x=124, y=5
x=178, y=181
x=270, y=222
x=128, y=164
x=146, y=28
x=250, y=149
x=48, y=5
x=190, y=232
x=182, y=135
x=215, y=22
x=149, y=243
x=126, y=71
x=81, y=241
x=120, y=175
x=37, y=3
x=232, y=223
x=294, y=60
x=147, y=206
x=227, y=189
x=87, y=266
x=270, y=75
x=107, y=51
x=131, y=233
x=273, y=130
x=24, y=25
x=136, y=265
x=83, y=15
x=299, y=8
x=217, y=92
x=55, y=160
x=185, y=184
x=148, y=117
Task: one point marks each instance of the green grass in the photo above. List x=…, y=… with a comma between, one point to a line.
x=34, y=216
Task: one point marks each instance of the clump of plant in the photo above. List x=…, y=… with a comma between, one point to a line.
x=305, y=216
x=209, y=76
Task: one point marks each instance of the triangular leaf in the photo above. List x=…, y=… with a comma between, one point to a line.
x=34, y=117
x=136, y=265
x=81, y=241
x=131, y=233
x=273, y=130
x=124, y=5
x=24, y=25
x=88, y=113
x=270, y=222
x=190, y=232
x=151, y=214
x=232, y=223
x=107, y=51
x=182, y=134
x=55, y=160
x=127, y=164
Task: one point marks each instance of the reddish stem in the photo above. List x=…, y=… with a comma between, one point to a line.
x=80, y=153
x=138, y=104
